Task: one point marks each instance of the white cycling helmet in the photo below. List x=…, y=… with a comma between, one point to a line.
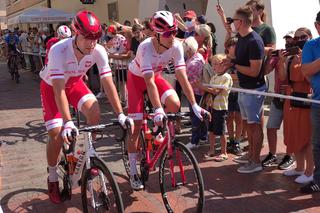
x=64, y=32
x=163, y=21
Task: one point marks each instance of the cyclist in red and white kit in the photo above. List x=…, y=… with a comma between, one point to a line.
x=62, y=84
x=144, y=74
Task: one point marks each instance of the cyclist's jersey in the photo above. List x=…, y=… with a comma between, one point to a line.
x=63, y=64
x=12, y=42
x=49, y=44
x=148, y=60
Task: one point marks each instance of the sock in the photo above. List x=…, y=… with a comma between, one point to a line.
x=133, y=163
x=53, y=174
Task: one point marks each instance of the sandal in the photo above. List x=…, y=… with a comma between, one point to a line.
x=208, y=155
x=221, y=158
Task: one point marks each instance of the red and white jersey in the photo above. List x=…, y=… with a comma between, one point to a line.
x=63, y=63
x=148, y=60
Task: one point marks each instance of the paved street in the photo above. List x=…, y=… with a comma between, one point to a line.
x=23, y=171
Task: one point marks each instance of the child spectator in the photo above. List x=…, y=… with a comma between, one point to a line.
x=219, y=106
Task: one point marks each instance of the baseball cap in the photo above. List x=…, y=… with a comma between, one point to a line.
x=112, y=29
x=289, y=34
x=202, y=19
x=190, y=14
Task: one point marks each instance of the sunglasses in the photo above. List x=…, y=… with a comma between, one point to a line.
x=169, y=33
x=303, y=37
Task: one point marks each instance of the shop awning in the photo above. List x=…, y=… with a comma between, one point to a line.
x=41, y=15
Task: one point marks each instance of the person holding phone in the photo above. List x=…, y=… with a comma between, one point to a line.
x=296, y=117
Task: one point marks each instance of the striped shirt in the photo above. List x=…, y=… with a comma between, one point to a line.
x=221, y=100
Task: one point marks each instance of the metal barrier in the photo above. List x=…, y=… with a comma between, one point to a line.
x=119, y=71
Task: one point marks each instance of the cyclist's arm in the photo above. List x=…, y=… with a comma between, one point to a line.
x=152, y=90
x=102, y=62
x=58, y=86
x=186, y=87
x=112, y=94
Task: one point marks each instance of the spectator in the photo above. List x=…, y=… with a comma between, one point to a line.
x=234, y=115
x=219, y=106
x=23, y=44
x=297, y=123
x=310, y=68
x=127, y=23
x=276, y=110
x=289, y=39
x=119, y=53
x=34, y=39
x=187, y=24
x=259, y=18
x=248, y=63
x=147, y=29
x=201, y=20
x=214, y=38
x=137, y=38
x=204, y=39
x=194, y=65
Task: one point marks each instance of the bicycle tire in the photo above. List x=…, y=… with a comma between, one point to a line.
x=16, y=73
x=117, y=204
x=165, y=181
x=125, y=156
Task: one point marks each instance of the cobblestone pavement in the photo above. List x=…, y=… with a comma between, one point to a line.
x=23, y=170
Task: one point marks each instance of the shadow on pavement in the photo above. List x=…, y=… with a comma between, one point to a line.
x=33, y=130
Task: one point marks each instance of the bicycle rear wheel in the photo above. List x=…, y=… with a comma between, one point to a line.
x=99, y=190
x=186, y=191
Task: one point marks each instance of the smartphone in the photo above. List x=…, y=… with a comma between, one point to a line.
x=229, y=20
x=275, y=53
x=292, y=50
x=218, y=2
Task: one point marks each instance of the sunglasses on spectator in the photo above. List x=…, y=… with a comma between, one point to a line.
x=187, y=19
x=169, y=33
x=303, y=37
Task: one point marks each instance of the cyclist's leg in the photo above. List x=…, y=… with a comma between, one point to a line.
x=81, y=98
x=167, y=95
x=136, y=86
x=53, y=122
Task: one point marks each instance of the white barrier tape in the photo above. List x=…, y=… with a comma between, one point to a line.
x=35, y=54
x=254, y=92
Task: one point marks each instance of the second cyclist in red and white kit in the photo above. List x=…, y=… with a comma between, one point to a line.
x=62, y=84
x=144, y=74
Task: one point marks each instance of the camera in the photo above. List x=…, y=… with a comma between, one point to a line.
x=289, y=51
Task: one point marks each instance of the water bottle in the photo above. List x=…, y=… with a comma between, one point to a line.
x=148, y=138
x=71, y=163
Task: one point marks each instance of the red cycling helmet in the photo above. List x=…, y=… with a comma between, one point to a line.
x=87, y=24
x=163, y=21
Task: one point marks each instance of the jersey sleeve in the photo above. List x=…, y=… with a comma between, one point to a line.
x=55, y=64
x=145, y=59
x=178, y=56
x=102, y=61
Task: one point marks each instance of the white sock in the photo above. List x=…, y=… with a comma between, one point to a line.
x=133, y=163
x=53, y=174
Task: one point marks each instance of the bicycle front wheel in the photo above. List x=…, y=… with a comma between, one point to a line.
x=99, y=190
x=180, y=179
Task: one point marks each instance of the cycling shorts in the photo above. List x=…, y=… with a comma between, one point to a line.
x=77, y=95
x=136, y=87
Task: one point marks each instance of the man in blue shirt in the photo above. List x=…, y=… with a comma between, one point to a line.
x=12, y=40
x=311, y=69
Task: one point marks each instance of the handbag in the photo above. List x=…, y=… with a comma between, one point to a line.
x=300, y=104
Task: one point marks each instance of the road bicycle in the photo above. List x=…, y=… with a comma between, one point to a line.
x=13, y=65
x=81, y=166
x=180, y=178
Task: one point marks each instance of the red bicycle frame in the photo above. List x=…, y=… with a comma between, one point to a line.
x=167, y=142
